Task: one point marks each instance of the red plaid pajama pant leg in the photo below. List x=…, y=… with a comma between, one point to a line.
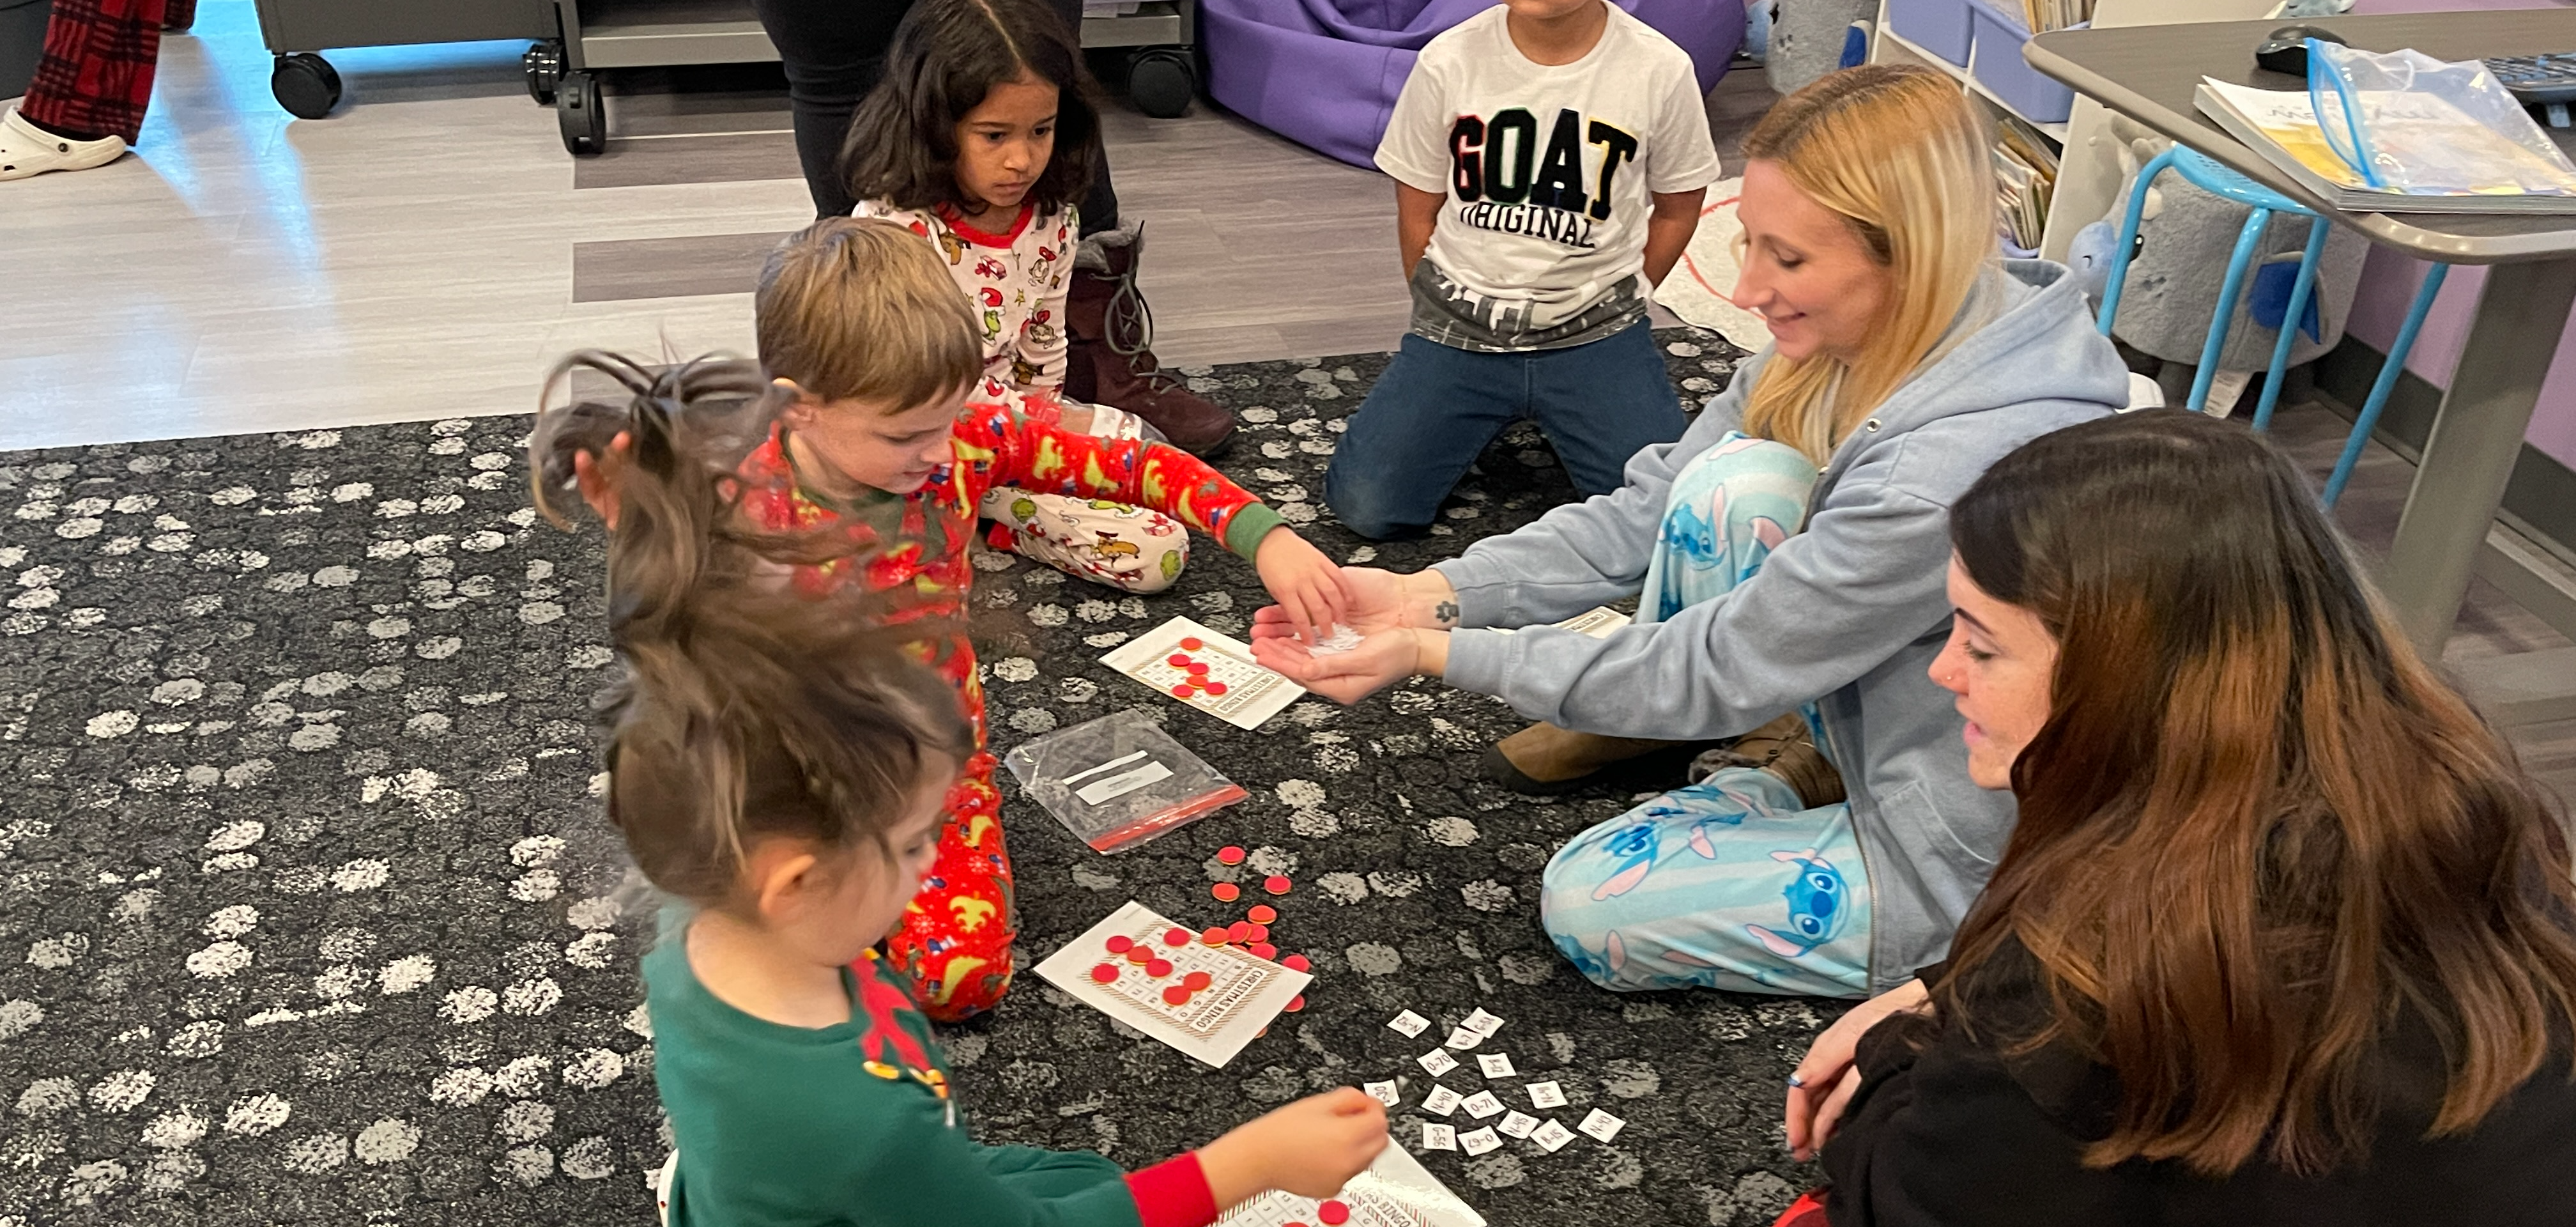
x=96, y=75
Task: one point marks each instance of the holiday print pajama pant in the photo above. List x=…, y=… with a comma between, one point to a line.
x=955, y=942
x=1132, y=549
x=1732, y=882
x=96, y=74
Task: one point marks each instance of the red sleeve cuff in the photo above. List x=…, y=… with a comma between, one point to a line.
x=1173, y=1193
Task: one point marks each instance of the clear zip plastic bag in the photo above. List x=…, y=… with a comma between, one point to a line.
x=1119, y=781
x=2406, y=122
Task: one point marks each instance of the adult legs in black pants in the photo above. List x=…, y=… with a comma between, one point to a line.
x=834, y=53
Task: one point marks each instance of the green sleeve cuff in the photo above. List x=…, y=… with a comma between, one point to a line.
x=1244, y=533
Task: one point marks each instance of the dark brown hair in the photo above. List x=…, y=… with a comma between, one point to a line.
x=2255, y=829
x=947, y=55
x=746, y=710
x=860, y=308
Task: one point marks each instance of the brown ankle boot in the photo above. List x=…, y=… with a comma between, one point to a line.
x=1544, y=759
x=1785, y=748
x=1112, y=357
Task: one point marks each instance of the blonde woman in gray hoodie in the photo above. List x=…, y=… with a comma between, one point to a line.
x=1788, y=556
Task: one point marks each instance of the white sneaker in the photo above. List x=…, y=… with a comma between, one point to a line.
x=27, y=150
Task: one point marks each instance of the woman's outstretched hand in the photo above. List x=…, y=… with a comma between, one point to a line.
x=1380, y=660
x=1380, y=600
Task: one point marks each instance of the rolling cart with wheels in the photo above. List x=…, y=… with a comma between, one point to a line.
x=297, y=31
x=606, y=35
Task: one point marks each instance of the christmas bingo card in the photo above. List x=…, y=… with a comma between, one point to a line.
x=1395, y=1191
x=1165, y=980
x=1206, y=670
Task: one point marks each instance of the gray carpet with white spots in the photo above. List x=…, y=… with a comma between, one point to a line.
x=307, y=912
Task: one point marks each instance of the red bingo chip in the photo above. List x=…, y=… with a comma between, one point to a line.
x=1176, y=936
x=1140, y=955
x=1216, y=688
x=1198, y=668
x=1332, y=1214
x=1260, y=933
x=1240, y=931
x=1121, y=944
x=1296, y=1003
x=1159, y=968
x=1229, y=855
x=1216, y=936
x=1193, y=643
x=1197, y=980
x=1263, y=950
x=1177, y=661
x=1297, y=962
x=1176, y=995
x=1184, y=691
x=1276, y=884
x=1226, y=892
x=1261, y=914
x=1106, y=973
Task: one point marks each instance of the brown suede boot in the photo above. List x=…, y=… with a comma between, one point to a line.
x=1785, y=748
x=1544, y=760
x=1112, y=357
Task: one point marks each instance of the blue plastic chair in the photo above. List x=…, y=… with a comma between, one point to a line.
x=2262, y=202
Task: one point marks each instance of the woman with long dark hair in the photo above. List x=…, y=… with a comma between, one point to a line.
x=2283, y=934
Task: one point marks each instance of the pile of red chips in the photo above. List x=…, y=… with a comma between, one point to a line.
x=1252, y=933
x=1143, y=954
x=1196, y=669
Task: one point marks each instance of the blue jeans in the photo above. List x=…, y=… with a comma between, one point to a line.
x=1437, y=407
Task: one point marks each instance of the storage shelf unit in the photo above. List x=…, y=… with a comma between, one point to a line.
x=2089, y=173
x=1965, y=75
x=660, y=33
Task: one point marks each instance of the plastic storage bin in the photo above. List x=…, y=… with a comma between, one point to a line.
x=1938, y=26
x=1999, y=67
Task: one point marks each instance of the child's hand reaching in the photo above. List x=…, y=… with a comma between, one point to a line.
x=1310, y=1148
x=1307, y=585
x=596, y=474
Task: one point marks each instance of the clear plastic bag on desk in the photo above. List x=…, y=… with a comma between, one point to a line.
x=2406, y=122
x=1119, y=781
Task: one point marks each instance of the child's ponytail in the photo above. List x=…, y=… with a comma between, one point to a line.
x=746, y=710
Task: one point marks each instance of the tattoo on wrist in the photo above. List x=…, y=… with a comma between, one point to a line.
x=1445, y=613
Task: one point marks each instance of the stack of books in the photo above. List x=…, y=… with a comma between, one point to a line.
x=2042, y=16
x=2025, y=178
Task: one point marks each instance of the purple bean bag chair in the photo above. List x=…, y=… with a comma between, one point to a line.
x=1325, y=73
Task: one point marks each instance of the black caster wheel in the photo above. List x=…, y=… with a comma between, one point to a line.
x=544, y=65
x=585, y=125
x=305, y=84
x=1161, y=82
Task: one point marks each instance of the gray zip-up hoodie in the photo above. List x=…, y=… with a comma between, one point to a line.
x=1848, y=613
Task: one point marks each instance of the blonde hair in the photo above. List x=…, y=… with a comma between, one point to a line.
x=860, y=308
x=1897, y=151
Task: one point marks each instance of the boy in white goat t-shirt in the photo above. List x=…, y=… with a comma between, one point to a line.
x=1551, y=157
